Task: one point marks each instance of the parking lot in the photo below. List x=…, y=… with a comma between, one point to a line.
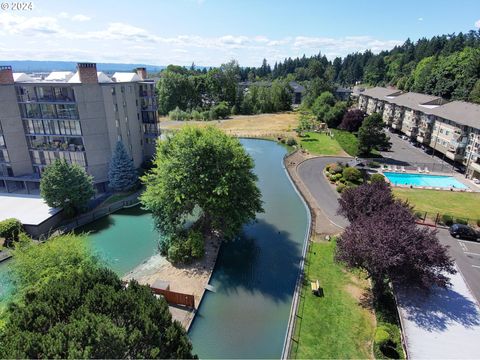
x=403, y=150
x=467, y=258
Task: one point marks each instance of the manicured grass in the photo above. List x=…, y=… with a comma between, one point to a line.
x=117, y=197
x=456, y=204
x=320, y=144
x=347, y=141
x=333, y=326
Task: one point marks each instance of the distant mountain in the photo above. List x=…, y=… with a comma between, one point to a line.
x=47, y=66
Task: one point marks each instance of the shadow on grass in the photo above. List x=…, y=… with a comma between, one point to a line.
x=309, y=140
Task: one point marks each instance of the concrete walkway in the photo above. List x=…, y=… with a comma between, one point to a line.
x=442, y=325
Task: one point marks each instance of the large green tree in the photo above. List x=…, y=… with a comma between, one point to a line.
x=371, y=135
x=122, y=175
x=91, y=314
x=205, y=171
x=66, y=305
x=36, y=265
x=67, y=186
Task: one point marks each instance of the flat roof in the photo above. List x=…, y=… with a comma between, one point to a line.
x=29, y=209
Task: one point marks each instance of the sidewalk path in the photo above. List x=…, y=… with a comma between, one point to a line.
x=443, y=325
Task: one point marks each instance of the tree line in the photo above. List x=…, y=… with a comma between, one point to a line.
x=208, y=95
x=444, y=65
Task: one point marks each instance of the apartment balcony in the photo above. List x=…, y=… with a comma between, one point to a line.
x=475, y=166
x=455, y=145
x=423, y=138
x=410, y=132
x=454, y=156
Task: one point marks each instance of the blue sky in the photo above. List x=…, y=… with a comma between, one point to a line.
x=210, y=32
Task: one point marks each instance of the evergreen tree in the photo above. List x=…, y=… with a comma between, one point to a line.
x=371, y=135
x=122, y=175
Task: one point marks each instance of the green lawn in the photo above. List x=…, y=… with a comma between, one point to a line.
x=456, y=204
x=347, y=141
x=320, y=144
x=117, y=197
x=334, y=326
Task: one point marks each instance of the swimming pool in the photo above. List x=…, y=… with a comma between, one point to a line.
x=442, y=181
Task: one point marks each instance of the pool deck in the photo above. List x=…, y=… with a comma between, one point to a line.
x=471, y=186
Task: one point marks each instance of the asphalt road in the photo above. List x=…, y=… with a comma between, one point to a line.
x=465, y=253
x=310, y=172
x=467, y=257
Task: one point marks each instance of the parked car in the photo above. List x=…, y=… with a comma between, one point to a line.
x=460, y=231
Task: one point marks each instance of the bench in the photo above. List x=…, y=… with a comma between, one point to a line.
x=315, y=287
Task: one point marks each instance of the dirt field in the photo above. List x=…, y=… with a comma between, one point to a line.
x=264, y=125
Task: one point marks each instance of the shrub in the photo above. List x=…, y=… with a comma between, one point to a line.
x=337, y=177
x=461, y=221
x=222, y=110
x=196, y=115
x=10, y=229
x=341, y=187
x=447, y=220
x=352, y=174
x=385, y=342
x=377, y=178
x=196, y=244
x=183, y=247
x=291, y=141
x=373, y=164
x=419, y=214
x=335, y=169
x=381, y=335
x=179, y=115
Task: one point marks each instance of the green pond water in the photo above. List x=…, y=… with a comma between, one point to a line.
x=254, y=276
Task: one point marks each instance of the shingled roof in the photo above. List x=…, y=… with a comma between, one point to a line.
x=380, y=92
x=461, y=112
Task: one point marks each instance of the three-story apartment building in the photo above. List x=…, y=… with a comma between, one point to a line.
x=451, y=128
x=77, y=117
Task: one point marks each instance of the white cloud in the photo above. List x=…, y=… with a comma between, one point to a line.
x=20, y=25
x=80, y=18
x=52, y=38
x=343, y=45
x=477, y=24
x=420, y=19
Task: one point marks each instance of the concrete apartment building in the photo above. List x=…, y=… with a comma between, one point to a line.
x=451, y=128
x=74, y=116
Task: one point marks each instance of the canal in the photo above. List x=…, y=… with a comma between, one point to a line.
x=255, y=275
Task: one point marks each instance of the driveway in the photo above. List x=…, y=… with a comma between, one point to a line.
x=467, y=257
x=310, y=172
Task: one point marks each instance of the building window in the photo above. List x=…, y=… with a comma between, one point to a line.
x=113, y=90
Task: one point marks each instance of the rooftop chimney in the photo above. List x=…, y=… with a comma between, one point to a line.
x=87, y=73
x=142, y=72
x=6, y=75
